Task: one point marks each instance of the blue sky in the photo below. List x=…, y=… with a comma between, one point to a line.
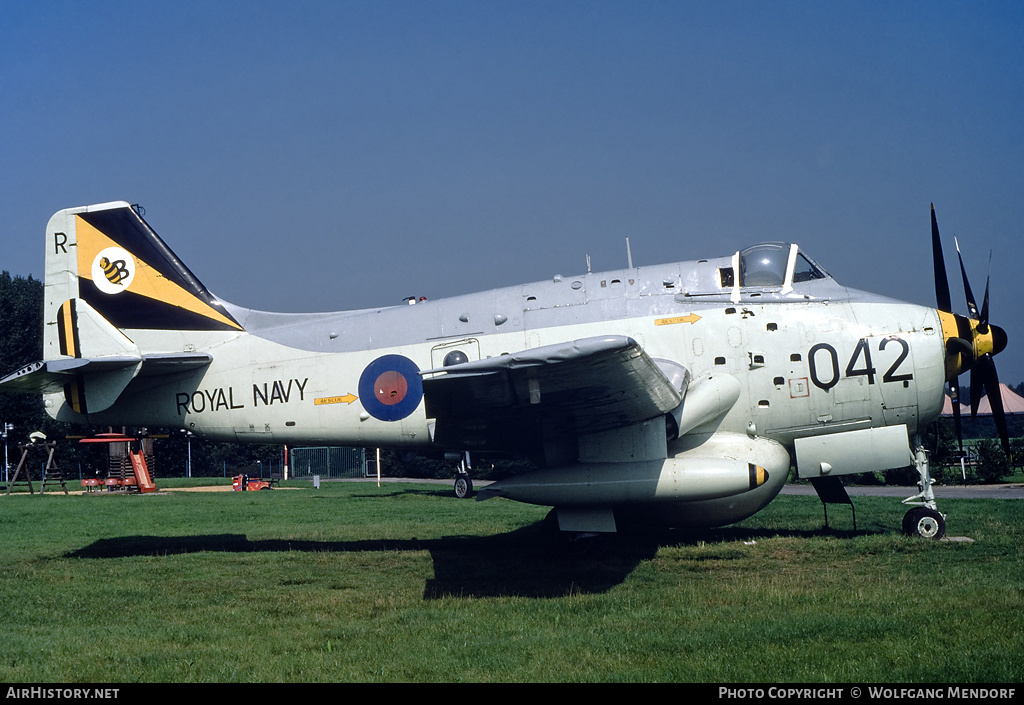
x=330, y=155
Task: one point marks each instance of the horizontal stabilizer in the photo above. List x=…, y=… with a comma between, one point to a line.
x=92, y=362
x=47, y=377
x=99, y=380
x=154, y=364
x=35, y=379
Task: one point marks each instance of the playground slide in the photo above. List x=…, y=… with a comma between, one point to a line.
x=146, y=483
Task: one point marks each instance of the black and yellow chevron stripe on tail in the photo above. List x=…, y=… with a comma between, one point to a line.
x=67, y=330
x=70, y=345
x=163, y=293
x=74, y=394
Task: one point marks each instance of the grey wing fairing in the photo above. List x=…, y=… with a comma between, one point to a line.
x=555, y=391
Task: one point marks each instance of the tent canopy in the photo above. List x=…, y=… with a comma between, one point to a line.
x=1012, y=404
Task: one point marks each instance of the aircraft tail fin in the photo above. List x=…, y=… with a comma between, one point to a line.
x=117, y=303
x=109, y=259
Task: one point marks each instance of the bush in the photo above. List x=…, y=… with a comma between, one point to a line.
x=993, y=464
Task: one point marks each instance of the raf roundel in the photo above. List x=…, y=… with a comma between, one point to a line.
x=390, y=387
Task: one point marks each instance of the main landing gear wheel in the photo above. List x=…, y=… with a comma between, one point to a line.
x=463, y=486
x=925, y=523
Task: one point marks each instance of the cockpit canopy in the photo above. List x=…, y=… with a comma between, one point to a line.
x=767, y=264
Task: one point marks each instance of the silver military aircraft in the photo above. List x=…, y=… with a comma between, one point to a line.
x=680, y=393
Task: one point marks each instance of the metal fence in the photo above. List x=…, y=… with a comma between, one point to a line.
x=327, y=462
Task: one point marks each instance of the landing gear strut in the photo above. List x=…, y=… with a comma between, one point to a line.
x=924, y=519
x=463, y=483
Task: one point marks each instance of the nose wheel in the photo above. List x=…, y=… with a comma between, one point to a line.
x=925, y=523
x=924, y=520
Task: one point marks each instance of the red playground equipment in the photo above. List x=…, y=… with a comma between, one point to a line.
x=244, y=483
x=131, y=477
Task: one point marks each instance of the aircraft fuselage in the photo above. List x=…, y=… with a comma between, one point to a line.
x=814, y=360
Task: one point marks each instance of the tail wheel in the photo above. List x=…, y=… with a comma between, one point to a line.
x=925, y=523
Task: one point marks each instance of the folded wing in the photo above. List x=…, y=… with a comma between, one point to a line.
x=568, y=389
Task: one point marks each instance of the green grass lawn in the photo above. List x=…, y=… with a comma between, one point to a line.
x=405, y=583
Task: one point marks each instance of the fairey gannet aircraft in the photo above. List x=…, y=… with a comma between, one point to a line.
x=680, y=393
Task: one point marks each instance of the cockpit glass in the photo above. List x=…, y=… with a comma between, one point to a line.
x=764, y=264
x=805, y=270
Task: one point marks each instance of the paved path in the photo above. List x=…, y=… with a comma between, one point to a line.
x=1006, y=491
x=1010, y=491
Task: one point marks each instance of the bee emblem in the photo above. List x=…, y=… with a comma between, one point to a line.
x=113, y=270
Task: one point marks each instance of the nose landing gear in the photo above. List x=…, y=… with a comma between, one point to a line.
x=924, y=520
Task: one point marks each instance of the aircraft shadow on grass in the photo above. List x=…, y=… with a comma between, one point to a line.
x=524, y=563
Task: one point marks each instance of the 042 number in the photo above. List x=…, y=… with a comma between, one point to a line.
x=824, y=362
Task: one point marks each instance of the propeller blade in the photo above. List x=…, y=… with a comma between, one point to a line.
x=977, y=388
x=942, y=299
x=972, y=307
x=995, y=400
x=984, y=303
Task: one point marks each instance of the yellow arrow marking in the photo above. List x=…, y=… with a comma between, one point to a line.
x=690, y=318
x=347, y=399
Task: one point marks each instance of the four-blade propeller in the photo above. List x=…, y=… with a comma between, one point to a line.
x=971, y=343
